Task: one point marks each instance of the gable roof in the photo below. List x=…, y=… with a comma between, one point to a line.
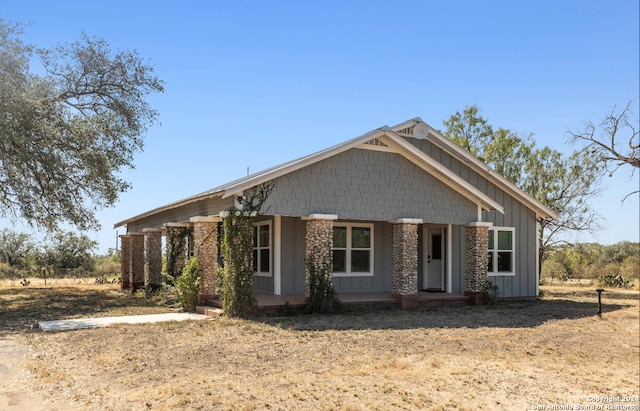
x=387, y=139
x=478, y=166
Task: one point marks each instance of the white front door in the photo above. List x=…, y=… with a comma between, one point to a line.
x=434, y=259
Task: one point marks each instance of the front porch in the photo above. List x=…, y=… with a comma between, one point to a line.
x=269, y=303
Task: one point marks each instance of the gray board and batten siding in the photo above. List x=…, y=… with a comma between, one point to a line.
x=516, y=214
x=293, y=264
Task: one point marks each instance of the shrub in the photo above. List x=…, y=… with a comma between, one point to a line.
x=554, y=271
x=188, y=284
x=10, y=272
x=491, y=292
x=613, y=280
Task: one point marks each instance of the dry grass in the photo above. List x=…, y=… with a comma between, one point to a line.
x=552, y=352
x=22, y=307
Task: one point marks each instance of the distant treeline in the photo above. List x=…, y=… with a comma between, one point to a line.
x=63, y=254
x=614, y=265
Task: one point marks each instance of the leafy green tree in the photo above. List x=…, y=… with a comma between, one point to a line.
x=15, y=248
x=469, y=130
x=565, y=184
x=593, y=260
x=615, y=142
x=65, y=135
x=188, y=284
x=69, y=251
x=619, y=252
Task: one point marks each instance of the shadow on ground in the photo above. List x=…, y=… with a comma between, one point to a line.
x=22, y=308
x=502, y=315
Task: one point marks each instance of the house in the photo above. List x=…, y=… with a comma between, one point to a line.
x=399, y=210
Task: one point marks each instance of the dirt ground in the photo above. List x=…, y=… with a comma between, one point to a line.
x=515, y=356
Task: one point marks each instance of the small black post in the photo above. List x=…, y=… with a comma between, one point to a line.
x=600, y=290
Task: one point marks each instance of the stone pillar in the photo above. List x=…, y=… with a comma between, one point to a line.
x=404, y=278
x=205, y=247
x=319, y=241
x=476, y=240
x=136, y=270
x=152, y=258
x=178, y=235
x=125, y=262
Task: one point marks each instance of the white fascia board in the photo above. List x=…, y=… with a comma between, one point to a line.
x=480, y=224
x=285, y=168
x=406, y=124
x=317, y=216
x=406, y=220
x=440, y=172
x=198, y=197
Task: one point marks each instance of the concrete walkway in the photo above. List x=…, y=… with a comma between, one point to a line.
x=76, y=324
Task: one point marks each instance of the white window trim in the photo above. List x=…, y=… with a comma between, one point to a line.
x=494, y=231
x=348, y=249
x=270, y=248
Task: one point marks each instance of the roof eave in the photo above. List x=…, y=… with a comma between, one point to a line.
x=198, y=197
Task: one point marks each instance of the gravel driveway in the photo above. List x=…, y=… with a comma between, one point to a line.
x=13, y=395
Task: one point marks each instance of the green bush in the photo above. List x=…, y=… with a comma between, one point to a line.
x=188, y=284
x=10, y=272
x=613, y=280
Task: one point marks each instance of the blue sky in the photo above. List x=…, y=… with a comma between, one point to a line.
x=256, y=83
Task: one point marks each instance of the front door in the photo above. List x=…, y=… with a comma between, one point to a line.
x=434, y=253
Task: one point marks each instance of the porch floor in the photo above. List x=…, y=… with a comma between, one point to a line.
x=270, y=303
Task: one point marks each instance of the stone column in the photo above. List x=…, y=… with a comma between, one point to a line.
x=404, y=278
x=136, y=270
x=152, y=258
x=476, y=240
x=125, y=262
x=319, y=241
x=205, y=247
x=178, y=235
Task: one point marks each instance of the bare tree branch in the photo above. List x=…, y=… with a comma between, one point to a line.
x=615, y=142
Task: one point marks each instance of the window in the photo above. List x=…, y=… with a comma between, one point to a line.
x=262, y=248
x=501, y=251
x=352, y=250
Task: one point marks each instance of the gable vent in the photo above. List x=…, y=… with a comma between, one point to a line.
x=376, y=142
x=406, y=132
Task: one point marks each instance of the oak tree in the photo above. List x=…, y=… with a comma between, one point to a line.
x=68, y=131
